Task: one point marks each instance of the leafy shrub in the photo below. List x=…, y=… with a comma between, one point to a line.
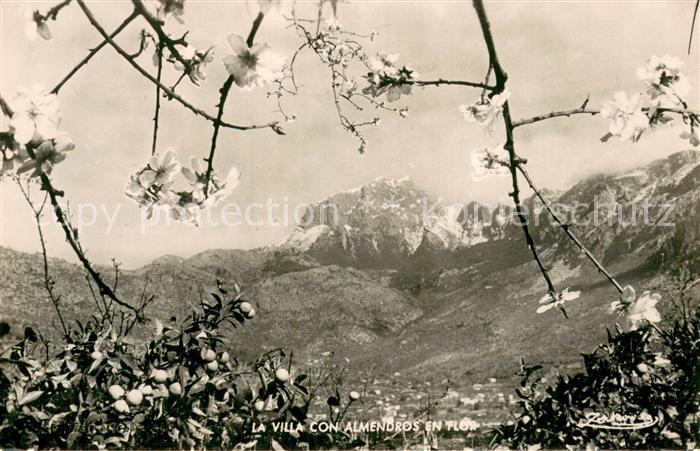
x=648, y=373
x=180, y=389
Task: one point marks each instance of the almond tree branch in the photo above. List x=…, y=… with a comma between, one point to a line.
x=568, y=113
x=553, y=114
x=93, y=52
x=170, y=93
x=566, y=228
x=442, y=81
x=49, y=281
x=217, y=124
x=156, y=24
x=692, y=25
x=53, y=12
x=156, y=115
x=501, y=78
x=224, y=91
x=71, y=234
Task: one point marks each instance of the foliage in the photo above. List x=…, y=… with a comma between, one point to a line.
x=181, y=389
x=651, y=374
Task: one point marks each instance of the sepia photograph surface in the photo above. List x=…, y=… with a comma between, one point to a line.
x=341, y=224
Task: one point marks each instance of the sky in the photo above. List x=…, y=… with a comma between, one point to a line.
x=555, y=52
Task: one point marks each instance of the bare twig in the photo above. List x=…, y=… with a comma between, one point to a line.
x=163, y=38
x=49, y=281
x=566, y=228
x=97, y=302
x=170, y=93
x=553, y=114
x=53, y=12
x=217, y=124
x=692, y=25
x=442, y=81
x=93, y=52
x=156, y=114
x=584, y=110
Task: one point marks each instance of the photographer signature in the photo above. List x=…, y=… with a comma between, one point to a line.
x=617, y=421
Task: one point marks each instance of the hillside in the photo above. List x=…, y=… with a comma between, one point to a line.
x=449, y=294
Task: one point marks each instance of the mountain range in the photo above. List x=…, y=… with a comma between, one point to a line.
x=392, y=279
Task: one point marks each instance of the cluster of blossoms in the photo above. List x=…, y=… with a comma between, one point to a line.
x=666, y=87
x=153, y=187
x=336, y=48
x=551, y=300
x=627, y=120
x=197, y=61
x=486, y=110
x=664, y=80
x=386, y=77
x=34, y=130
x=637, y=310
x=486, y=163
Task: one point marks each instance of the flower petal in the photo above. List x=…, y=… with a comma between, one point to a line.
x=545, y=307
x=237, y=43
x=23, y=127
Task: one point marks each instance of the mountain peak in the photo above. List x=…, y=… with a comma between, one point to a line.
x=387, y=220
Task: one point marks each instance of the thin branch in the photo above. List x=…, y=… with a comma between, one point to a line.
x=566, y=228
x=254, y=29
x=501, y=75
x=141, y=9
x=93, y=52
x=223, y=92
x=94, y=298
x=70, y=233
x=210, y=160
x=53, y=12
x=553, y=114
x=49, y=281
x=156, y=115
x=442, y=81
x=692, y=25
x=170, y=93
x=501, y=78
x=583, y=110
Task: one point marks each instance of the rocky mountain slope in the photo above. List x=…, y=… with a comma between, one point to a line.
x=398, y=285
x=388, y=221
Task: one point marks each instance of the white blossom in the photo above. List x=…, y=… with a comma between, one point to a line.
x=220, y=190
x=160, y=170
x=253, y=66
x=487, y=163
x=36, y=114
x=198, y=61
x=387, y=77
x=557, y=299
x=637, y=311
x=644, y=310
x=627, y=120
x=486, y=110
x=35, y=26
x=663, y=78
x=47, y=154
